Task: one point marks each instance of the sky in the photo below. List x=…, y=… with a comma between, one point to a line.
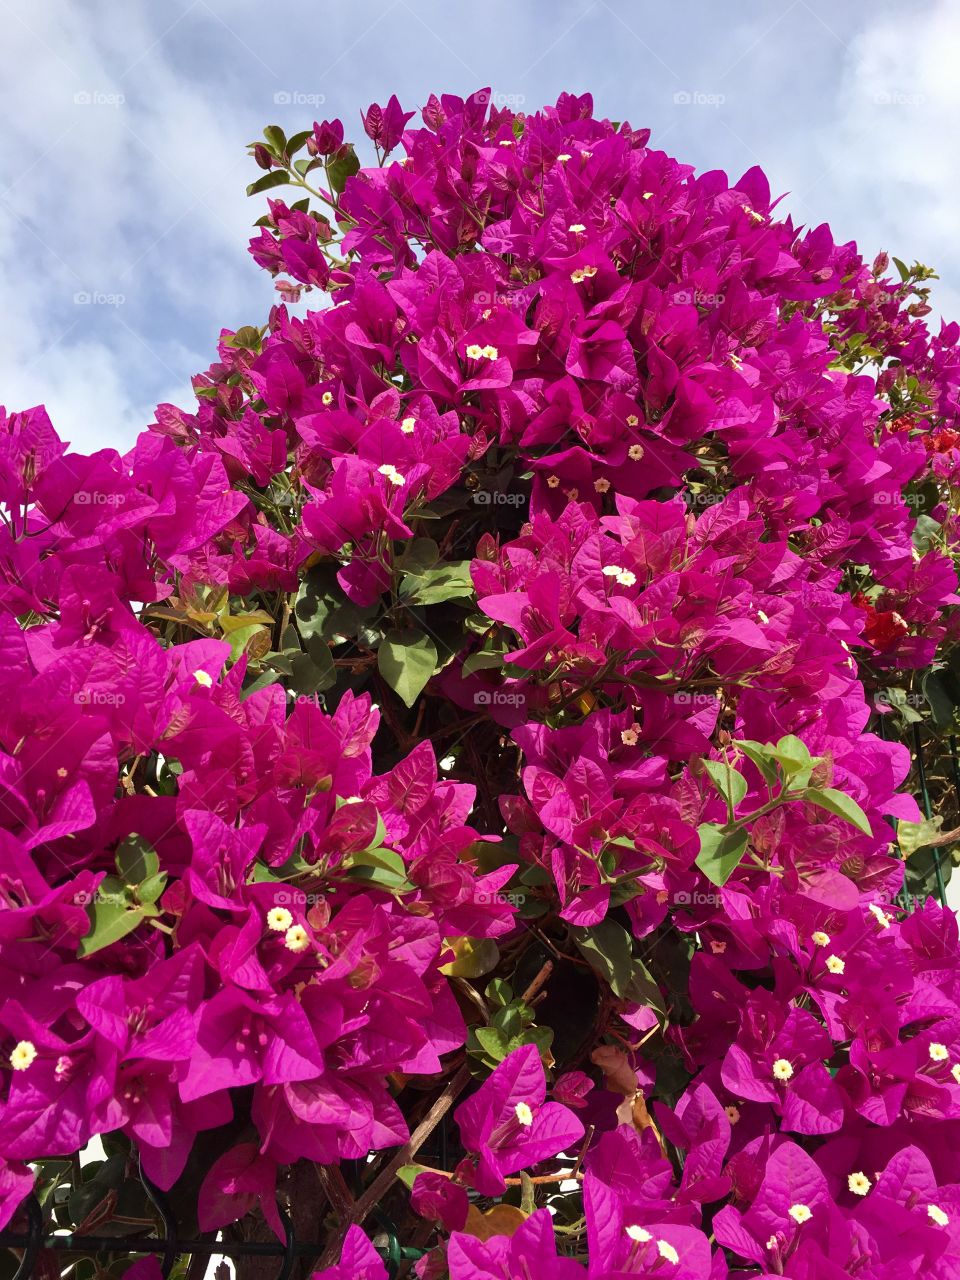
x=123, y=218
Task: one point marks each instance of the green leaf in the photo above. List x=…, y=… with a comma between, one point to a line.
x=608, y=948
x=309, y=678
x=446, y=581
x=297, y=140
x=275, y=178
x=731, y=784
x=493, y=1042
x=136, y=859
x=385, y=858
x=841, y=804
x=276, y=137
x=936, y=690
x=418, y=556
x=912, y=836
x=407, y=660
x=761, y=757
x=473, y=957
x=792, y=754
x=112, y=917
x=482, y=662
x=344, y=166
x=720, y=851
x=499, y=992
x=407, y=1173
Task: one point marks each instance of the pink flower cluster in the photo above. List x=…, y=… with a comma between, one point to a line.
x=605, y=485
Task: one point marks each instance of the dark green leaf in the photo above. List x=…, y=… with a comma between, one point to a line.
x=343, y=167
x=720, y=851
x=275, y=178
x=608, y=948
x=407, y=660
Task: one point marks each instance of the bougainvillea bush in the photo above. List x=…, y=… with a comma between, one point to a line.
x=442, y=791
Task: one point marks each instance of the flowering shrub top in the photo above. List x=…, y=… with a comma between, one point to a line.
x=619, y=496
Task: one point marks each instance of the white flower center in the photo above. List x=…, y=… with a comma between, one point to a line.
x=524, y=1114
x=296, y=938
x=279, y=919
x=23, y=1055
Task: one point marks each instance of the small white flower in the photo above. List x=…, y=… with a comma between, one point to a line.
x=327, y=398
x=820, y=939
x=859, y=1183
x=203, y=679
x=936, y=1214
x=602, y=485
x=782, y=1069
x=630, y=737
x=632, y=420
x=610, y=570
x=638, y=1235
x=835, y=964
x=474, y=351
x=577, y=275
x=279, y=919
x=576, y=227
x=392, y=474
x=296, y=938
x=955, y=1072
x=626, y=578
x=408, y=426
x=490, y=352
x=761, y=616
x=24, y=1052
x=564, y=157
x=800, y=1213
x=882, y=918
x=938, y=1052
x=553, y=482
x=668, y=1252
x=635, y=452
x=524, y=1114
x=732, y=1113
